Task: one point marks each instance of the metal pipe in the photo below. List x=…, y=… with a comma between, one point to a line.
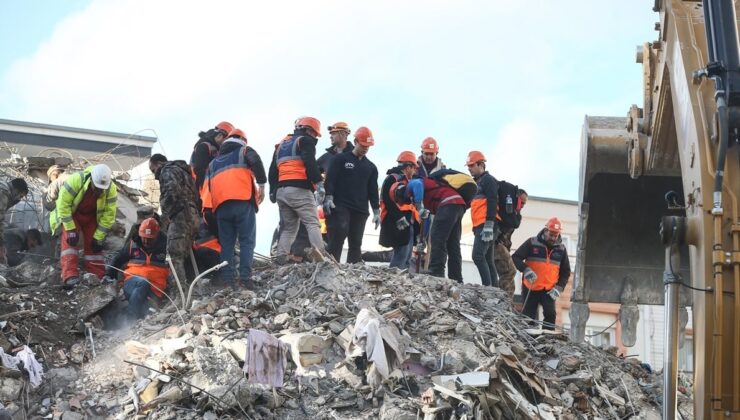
x=718, y=256
x=177, y=280
x=736, y=278
x=192, y=285
x=671, y=284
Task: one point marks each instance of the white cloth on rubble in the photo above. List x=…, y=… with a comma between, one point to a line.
x=266, y=359
x=25, y=356
x=372, y=334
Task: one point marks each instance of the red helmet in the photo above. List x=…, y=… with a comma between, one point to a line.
x=309, y=122
x=238, y=133
x=407, y=157
x=429, y=145
x=554, y=225
x=225, y=126
x=149, y=228
x=364, y=137
x=475, y=157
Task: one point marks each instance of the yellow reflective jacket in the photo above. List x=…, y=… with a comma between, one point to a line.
x=70, y=196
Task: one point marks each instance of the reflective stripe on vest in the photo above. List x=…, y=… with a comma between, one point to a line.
x=143, y=265
x=289, y=162
x=229, y=178
x=547, y=269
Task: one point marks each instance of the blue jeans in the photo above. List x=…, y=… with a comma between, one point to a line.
x=483, y=259
x=137, y=292
x=236, y=220
x=402, y=254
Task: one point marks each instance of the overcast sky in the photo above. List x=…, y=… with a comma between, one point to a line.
x=512, y=79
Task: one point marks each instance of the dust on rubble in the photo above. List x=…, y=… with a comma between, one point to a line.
x=324, y=341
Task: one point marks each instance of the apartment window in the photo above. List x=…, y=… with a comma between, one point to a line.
x=604, y=339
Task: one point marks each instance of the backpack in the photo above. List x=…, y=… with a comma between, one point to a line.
x=508, y=204
x=464, y=184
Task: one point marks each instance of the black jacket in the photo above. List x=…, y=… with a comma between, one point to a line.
x=308, y=155
x=325, y=160
x=353, y=182
x=559, y=252
x=390, y=236
x=204, y=151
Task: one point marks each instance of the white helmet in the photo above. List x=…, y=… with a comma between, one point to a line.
x=101, y=176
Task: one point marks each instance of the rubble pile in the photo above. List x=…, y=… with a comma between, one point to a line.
x=349, y=341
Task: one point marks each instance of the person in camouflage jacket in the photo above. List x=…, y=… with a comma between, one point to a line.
x=11, y=192
x=177, y=197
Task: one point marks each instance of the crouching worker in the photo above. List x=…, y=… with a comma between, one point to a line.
x=143, y=260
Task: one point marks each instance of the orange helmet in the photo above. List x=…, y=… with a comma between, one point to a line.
x=364, y=137
x=407, y=157
x=429, y=145
x=339, y=126
x=225, y=126
x=238, y=133
x=149, y=228
x=554, y=225
x=475, y=157
x=309, y=122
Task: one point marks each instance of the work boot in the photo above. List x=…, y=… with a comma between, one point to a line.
x=282, y=260
x=70, y=283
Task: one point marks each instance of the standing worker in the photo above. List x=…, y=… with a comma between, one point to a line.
x=338, y=133
x=429, y=161
x=543, y=261
x=294, y=175
x=177, y=204
x=205, y=149
x=483, y=213
x=231, y=181
x=143, y=259
x=86, y=205
x=448, y=208
x=352, y=182
x=502, y=252
x=397, y=221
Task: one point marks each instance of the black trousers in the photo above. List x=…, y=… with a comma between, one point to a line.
x=446, y=231
x=344, y=223
x=532, y=299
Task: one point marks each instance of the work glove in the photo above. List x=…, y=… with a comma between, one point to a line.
x=376, y=218
x=486, y=234
x=402, y=223
x=421, y=247
x=328, y=204
x=320, y=193
x=529, y=275
x=555, y=293
x=73, y=238
x=96, y=246
x=423, y=213
x=273, y=196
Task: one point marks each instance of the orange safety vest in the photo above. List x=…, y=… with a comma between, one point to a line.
x=228, y=178
x=152, y=267
x=545, y=263
x=289, y=162
x=209, y=242
x=403, y=207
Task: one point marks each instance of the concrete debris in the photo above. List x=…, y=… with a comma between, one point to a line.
x=317, y=340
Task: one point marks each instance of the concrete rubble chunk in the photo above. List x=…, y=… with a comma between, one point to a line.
x=10, y=388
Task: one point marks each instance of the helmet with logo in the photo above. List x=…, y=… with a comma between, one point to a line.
x=429, y=145
x=149, y=228
x=364, y=137
x=554, y=225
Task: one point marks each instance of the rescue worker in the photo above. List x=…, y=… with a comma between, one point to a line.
x=86, y=206
x=18, y=241
x=351, y=182
x=397, y=221
x=11, y=193
x=231, y=180
x=448, y=208
x=338, y=133
x=204, y=150
x=502, y=252
x=543, y=261
x=294, y=175
x=144, y=262
x=429, y=162
x=56, y=176
x=483, y=215
x=179, y=219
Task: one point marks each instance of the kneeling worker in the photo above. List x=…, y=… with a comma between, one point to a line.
x=146, y=269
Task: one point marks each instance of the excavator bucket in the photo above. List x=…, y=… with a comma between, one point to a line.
x=620, y=255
